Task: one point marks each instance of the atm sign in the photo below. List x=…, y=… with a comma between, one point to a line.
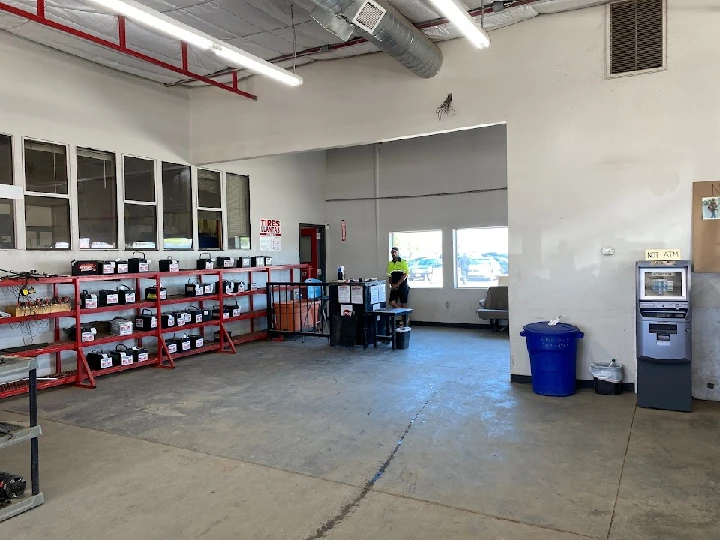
x=662, y=254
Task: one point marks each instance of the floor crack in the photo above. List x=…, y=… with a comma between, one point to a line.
x=622, y=470
x=349, y=507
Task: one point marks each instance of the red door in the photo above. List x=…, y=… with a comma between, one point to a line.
x=309, y=251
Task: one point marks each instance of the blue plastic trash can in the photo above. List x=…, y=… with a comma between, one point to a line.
x=553, y=355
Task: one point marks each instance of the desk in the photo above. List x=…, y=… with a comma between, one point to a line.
x=390, y=314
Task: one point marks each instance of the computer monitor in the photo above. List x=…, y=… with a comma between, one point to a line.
x=663, y=284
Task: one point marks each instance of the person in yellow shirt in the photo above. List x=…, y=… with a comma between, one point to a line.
x=398, y=271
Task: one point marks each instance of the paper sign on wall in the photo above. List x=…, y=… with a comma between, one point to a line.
x=343, y=230
x=663, y=254
x=270, y=235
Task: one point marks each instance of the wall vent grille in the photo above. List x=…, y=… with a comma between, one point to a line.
x=636, y=36
x=369, y=16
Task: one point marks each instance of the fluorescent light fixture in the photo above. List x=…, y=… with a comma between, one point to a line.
x=457, y=14
x=162, y=23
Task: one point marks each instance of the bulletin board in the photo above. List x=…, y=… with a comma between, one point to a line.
x=706, y=227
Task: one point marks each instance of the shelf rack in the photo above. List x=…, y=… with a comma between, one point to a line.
x=84, y=376
x=19, y=368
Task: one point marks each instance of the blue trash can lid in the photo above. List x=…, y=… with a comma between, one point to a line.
x=545, y=328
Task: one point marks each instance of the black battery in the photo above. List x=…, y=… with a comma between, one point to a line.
x=224, y=313
x=126, y=295
x=225, y=262
x=209, y=288
x=196, y=314
x=182, y=344
x=146, y=320
x=257, y=261
x=137, y=265
x=88, y=301
x=106, y=268
x=234, y=309
x=139, y=354
x=268, y=261
x=194, y=289
x=205, y=263
x=189, y=316
x=151, y=293
x=121, y=267
x=238, y=286
x=169, y=265
x=216, y=335
x=98, y=360
x=227, y=286
x=244, y=262
x=121, y=356
x=196, y=341
x=108, y=298
x=180, y=319
x=167, y=320
x=85, y=268
x=87, y=333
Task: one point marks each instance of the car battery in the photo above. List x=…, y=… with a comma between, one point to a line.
x=106, y=268
x=194, y=289
x=108, y=298
x=216, y=335
x=181, y=343
x=151, y=293
x=138, y=265
x=120, y=356
x=172, y=347
x=205, y=263
x=179, y=317
x=186, y=315
x=257, y=261
x=199, y=315
x=209, y=288
x=235, y=310
x=244, y=262
x=196, y=341
x=126, y=295
x=222, y=313
x=228, y=287
x=99, y=360
x=121, y=327
x=87, y=333
x=169, y=265
x=85, y=268
x=122, y=267
x=146, y=320
x=139, y=354
x=268, y=261
x=238, y=286
x=167, y=320
x=88, y=301
x=225, y=262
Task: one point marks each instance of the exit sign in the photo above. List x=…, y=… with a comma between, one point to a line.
x=662, y=254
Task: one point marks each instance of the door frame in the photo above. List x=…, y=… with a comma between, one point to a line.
x=321, y=247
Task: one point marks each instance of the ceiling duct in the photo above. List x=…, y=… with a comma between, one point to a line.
x=386, y=28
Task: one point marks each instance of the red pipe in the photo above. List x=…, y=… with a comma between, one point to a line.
x=40, y=19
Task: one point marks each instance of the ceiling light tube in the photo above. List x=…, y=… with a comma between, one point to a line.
x=162, y=23
x=456, y=12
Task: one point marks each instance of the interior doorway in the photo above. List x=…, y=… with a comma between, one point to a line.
x=312, y=250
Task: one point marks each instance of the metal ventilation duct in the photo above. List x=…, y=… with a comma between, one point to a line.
x=385, y=27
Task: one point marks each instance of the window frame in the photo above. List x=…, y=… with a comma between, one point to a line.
x=227, y=208
x=221, y=209
x=456, y=268
x=118, y=214
x=157, y=191
x=414, y=284
x=13, y=182
x=193, y=206
x=72, y=244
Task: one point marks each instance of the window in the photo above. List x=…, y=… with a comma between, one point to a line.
x=97, y=199
x=7, y=210
x=423, y=252
x=210, y=228
x=636, y=31
x=237, y=193
x=481, y=256
x=47, y=203
x=47, y=222
x=140, y=204
x=177, y=207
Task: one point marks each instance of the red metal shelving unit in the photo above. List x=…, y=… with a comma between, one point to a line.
x=84, y=376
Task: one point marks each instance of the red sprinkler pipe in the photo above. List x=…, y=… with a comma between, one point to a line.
x=40, y=18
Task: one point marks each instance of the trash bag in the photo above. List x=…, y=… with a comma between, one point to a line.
x=612, y=372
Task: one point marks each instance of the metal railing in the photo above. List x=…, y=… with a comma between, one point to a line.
x=298, y=309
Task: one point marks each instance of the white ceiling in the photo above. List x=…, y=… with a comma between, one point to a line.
x=261, y=27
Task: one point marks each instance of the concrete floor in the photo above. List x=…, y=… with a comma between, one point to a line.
x=304, y=441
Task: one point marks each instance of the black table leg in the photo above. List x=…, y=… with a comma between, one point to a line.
x=34, y=459
x=375, y=330
x=365, y=329
x=393, y=326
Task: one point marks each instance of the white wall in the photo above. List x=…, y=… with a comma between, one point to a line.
x=449, y=163
x=52, y=96
x=591, y=162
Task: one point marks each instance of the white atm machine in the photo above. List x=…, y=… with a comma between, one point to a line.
x=664, y=335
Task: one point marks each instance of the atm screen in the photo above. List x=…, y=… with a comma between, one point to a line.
x=669, y=284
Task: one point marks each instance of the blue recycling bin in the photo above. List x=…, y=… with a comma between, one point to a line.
x=553, y=356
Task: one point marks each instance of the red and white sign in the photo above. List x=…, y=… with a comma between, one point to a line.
x=270, y=235
x=343, y=230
